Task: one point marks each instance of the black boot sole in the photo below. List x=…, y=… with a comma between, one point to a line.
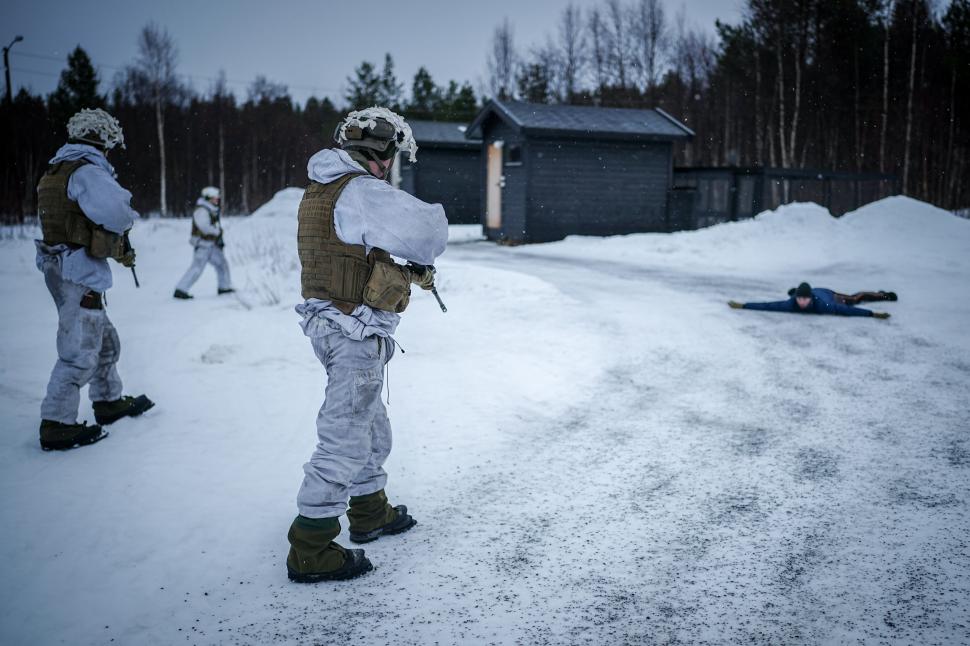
x=139, y=406
x=351, y=569
x=77, y=442
x=399, y=526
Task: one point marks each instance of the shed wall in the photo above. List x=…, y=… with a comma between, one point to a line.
x=450, y=177
x=590, y=187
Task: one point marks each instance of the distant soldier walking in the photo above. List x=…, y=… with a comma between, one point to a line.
x=85, y=216
x=208, y=243
x=351, y=221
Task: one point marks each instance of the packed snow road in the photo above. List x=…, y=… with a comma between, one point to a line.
x=596, y=448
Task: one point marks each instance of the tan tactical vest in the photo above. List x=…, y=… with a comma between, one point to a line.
x=62, y=220
x=197, y=232
x=342, y=273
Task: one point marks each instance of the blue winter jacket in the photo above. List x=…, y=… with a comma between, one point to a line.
x=823, y=302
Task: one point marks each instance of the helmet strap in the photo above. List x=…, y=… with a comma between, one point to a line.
x=363, y=155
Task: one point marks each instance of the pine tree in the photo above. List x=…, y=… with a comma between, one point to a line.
x=364, y=88
x=457, y=103
x=390, y=93
x=534, y=83
x=77, y=89
x=425, y=96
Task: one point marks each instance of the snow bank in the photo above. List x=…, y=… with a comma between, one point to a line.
x=284, y=204
x=459, y=233
x=597, y=449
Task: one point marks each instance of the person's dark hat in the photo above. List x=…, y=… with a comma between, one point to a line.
x=803, y=291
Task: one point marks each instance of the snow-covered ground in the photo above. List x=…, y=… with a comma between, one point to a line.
x=597, y=449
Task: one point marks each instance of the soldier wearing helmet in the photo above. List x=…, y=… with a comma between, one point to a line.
x=351, y=223
x=208, y=244
x=85, y=216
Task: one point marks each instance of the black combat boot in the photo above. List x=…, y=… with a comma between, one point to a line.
x=314, y=557
x=110, y=412
x=182, y=295
x=57, y=436
x=227, y=290
x=371, y=517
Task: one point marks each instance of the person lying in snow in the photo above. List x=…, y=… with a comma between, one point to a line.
x=806, y=300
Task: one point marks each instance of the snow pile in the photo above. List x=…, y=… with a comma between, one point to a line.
x=597, y=449
x=285, y=203
x=461, y=233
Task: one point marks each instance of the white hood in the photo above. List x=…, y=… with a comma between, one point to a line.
x=74, y=152
x=330, y=164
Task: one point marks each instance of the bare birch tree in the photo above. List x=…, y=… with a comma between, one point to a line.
x=887, y=22
x=221, y=99
x=599, y=40
x=619, y=41
x=157, y=57
x=502, y=62
x=571, y=48
x=909, y=101
x=651, y=37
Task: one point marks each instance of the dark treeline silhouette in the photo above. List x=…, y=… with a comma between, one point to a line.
x=849, y=85
x=250, y=148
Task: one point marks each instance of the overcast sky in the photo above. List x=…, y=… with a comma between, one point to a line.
x=310, y=46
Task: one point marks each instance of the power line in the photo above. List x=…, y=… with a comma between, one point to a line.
x=192, y=77
x=24, y=70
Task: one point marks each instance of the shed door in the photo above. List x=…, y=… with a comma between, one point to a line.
x=494, y=182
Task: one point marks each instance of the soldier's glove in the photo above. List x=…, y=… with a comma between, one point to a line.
x=128, y=260
x=880, y=315
x=734, y=305
x=220, y=242
x=422, y=276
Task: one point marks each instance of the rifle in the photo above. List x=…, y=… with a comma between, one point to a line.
x=128, y=248
x=421, y=269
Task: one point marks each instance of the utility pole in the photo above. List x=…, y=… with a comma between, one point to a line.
x=6, y=66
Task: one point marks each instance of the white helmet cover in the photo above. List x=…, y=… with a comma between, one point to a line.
x=210, y=192
x=96, y=127
x=367, y=118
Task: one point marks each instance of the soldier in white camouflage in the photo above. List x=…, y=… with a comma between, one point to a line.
x=208, y=245
x=85, y=216
x=351, y=223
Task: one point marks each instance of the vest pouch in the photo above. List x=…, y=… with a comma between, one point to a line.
x=389, y=287
x=78, y=229
x=105, y=244
x=348, y=276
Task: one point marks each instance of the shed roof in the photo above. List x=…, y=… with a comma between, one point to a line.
x=437, y=133
x=582, y=121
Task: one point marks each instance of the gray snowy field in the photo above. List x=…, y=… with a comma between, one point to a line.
x=597, y=449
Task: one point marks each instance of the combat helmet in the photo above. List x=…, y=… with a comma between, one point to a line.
x=376, y=133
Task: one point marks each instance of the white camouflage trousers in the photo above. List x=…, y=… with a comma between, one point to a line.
x=353, y=432
x=206, y=254
x=87, y=350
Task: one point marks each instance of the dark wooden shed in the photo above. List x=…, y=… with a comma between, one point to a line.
x=447, y=171
x=709, y=195
x=549, y=171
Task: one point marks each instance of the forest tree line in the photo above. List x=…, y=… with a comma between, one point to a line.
x=251, y=148
x=850, y=85
x=846, y=85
